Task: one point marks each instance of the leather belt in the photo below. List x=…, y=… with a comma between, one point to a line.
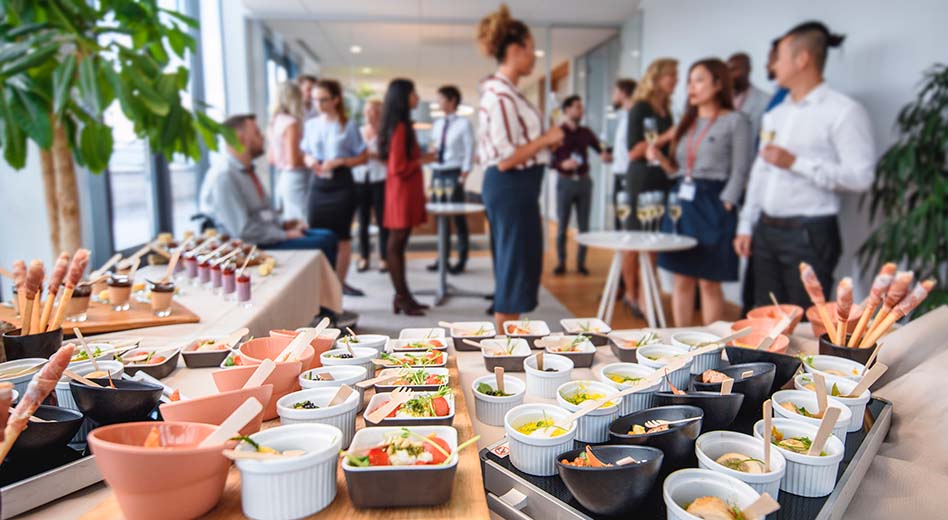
x=793, y=222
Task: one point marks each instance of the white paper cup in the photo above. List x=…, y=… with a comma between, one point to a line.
x=807, y=399
x=708, y=361
x=536, y=455
x=543, y=384
x=712, y=445
x=640, y=400
x=490, y=410
x=594, y=426
x=341, y=416
x=291, y=487
x=685, y=485
x=342, y=375
x=806, y=476
x=856, y=405
x=833, y=366
x=680, y=378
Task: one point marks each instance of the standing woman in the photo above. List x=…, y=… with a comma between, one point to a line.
x=370, y=188
x=283, y=152
x=404, y=187
x=650, y=112
x=513, y=148
x=713, y=148
x=333, y=147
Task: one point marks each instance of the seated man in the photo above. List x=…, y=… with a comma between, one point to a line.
x=233, y=196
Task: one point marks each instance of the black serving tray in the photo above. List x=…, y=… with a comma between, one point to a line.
x=547, y=497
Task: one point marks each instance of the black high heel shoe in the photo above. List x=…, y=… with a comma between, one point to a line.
x=400, y=304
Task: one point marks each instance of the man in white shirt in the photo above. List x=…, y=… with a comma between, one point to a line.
x=621, y=103
x=748, y=99
x=816, y=144
x=307, y=82
x=453, y=142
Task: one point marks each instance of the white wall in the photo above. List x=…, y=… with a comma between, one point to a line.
x=887, y=47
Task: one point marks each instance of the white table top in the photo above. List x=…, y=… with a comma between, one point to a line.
x=453, y=208
x=636, y=241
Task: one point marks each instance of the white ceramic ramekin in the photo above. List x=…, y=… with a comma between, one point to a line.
x=807, y=399
x=712, y=445
x=806, y=476
x=833, y=366
x=291, y=487
x=685, y=485
x=490, y=410
x=363, y=358
x=594, y=426
x=707, y=361
x=536, y=455
x=543, y=384
x=420, y=333
x=856, y=405
x=341, y=416
x=644, y=398
x=680, y=378
x=373, y=341
x=342, y=375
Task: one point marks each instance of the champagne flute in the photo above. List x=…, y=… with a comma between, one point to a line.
x=767, y=136
x=659, y=210
x=650, y=125
x=439, y=190
x=623, y=208
x=641, y=209
x=674, y=211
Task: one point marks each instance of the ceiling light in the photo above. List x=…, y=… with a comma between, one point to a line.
x=355, y=49
x=367, y=70
x=539, y=53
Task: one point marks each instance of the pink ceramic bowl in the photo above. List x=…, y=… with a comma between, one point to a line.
x=258, y=349
x=771, y=311
x=751, y=340
x=284, y=378
x=213, y=409
x=759, y=325
x=178, y=480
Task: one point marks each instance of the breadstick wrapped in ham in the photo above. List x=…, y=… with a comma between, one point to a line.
x=78, y=266
x=811, y=283
x=844, y=302
x=907, y=305
x=55, y=280
x=32, y=286
x=6, y=399
x=897, y=291
x=42, y=384
x=881, y=282
x=19, y=280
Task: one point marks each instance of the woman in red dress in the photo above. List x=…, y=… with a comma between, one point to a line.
x=404, y=186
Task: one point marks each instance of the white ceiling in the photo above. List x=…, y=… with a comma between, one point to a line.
x=429, y=41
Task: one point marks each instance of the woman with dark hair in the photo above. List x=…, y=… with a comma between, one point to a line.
x=513, y=149
x=404, y=187
x=333, y=146
x=713, y=149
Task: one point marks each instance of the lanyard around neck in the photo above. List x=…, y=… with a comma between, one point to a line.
x=691, y=150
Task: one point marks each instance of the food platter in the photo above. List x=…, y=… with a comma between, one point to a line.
x=513, y=494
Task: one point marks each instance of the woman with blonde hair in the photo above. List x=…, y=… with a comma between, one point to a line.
x=284, y=133
x=514, y=151
x=370, y=187
x=650, y=120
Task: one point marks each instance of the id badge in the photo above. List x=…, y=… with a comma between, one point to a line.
x=686, y=191
x=267, y=215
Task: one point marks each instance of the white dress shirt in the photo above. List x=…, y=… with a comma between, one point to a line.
x=459, y=143
x=620, y=145
x=506, y=121
x=374, y=170
x=753, y=103
x=831, y=136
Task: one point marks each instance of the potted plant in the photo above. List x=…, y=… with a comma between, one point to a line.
x=63, y=63
x=909, y=197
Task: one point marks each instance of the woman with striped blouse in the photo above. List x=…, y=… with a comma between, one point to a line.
x=513, y=148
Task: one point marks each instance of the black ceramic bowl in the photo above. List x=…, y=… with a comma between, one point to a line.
x=719, y=410
x=129, y=401
x=787, y=366
x=40, y=436
x=860, y=355
x=677, y=443
x=42, y=345
x=615, y=490
x=755, y=387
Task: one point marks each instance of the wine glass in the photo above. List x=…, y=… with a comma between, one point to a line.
x=438, y=190
x=623, y=208
x=650, y=125
x=674, y=211
x=641, y=209
x=659, y=209
x=767, y=136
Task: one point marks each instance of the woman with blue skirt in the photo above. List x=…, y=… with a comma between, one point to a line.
x=513, y=149
x=712, y=157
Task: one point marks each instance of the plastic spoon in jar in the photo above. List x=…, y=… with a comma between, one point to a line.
x=870, y=377
x=760, y=508
x=499, y=376
x=231, y=425
x=820, y=385
x=768, y=409
x=246, y=261
x=263, y=371
x=826, y=428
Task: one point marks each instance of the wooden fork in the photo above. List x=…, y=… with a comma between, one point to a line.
x=655, y=423
x=397, y=398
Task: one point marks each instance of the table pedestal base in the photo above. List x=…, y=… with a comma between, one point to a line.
x=654, y=313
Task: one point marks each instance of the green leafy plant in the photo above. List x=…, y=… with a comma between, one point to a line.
x=63, y=63
x=909, y=197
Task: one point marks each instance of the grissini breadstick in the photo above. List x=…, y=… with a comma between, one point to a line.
x=872, y=302
x=76, y=268
x=42, y=384
x=813, y=288
x=6, y=398
x=34, y=280
x=901, y=285
x=907, y=305
x=19, y=279
x=55, y=280
x=844, y=302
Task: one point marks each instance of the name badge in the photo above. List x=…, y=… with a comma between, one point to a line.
x=686, y=191
x=267, y=215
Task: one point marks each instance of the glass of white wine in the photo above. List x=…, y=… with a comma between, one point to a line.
x=641, y=210
x=674, y=211
x=659, y=210
x=623, y=208
x=650, y=125
x=767, y=136
x=438, y=190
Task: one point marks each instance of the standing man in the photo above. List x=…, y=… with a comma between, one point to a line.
x=574, y=187
x=817, y=143
x=307, y=82
x=621, y=103
x=454, y=145
x=748, y=99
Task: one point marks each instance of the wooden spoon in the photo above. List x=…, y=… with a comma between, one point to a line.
x=237, y=420
x=341, y=395
x=726, y=339
x=820, y=384
x=95, y=363
x=499, y=376
x=726, y=386
x=768, y=429
x=263, y=371
x=171, y=265
x=760, y=508
x=76, y=377
x=246, y=261
x=826, y=428
x=870, y=377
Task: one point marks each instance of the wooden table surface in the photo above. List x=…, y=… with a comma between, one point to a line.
x=101, y=319
x=468, y=500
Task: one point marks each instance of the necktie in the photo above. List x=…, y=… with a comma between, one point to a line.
x=444, y=138
x=256, y=182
